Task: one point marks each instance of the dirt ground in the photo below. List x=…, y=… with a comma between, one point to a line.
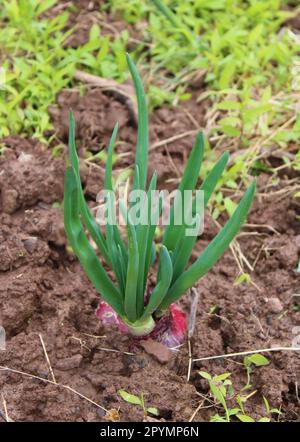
x=45, y=297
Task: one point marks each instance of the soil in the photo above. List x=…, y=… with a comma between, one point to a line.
x=47, y=305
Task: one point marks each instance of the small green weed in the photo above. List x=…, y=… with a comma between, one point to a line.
x=138, y=400
x=224, y=395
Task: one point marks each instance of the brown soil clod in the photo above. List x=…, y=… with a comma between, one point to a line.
x=159, y=351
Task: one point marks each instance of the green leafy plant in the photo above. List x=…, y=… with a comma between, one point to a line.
x=221, y=389
x=256, y=360
x=131, y=260
x=224, y=395
x=270, y=410
x=138, y=400
x=244, y=56
x=35, y=68
x=38, y=62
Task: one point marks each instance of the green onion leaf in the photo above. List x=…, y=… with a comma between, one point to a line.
x=88, y=218
x=163, y=282
x=173, y=233
x=82, y=248
x=141, y=157
x=213, y=251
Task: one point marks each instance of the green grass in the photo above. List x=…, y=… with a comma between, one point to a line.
x=33, y=59
x=245, y=54
x=38, y=64
x=233, y=401
x=247, y=64
x=236, y=42
x=248, y=60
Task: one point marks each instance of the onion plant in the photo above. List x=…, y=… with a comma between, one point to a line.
x=131, y=258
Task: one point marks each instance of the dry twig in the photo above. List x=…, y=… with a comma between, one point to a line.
x=47, y=359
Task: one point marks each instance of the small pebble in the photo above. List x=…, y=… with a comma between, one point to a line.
x=30, y=244
x=9, y=200
x=275, y=305
x=159, y=351
x=25, y=157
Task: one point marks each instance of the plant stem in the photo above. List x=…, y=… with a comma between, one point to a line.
x=141, y=328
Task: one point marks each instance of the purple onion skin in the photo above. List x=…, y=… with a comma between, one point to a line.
x=170, y=329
